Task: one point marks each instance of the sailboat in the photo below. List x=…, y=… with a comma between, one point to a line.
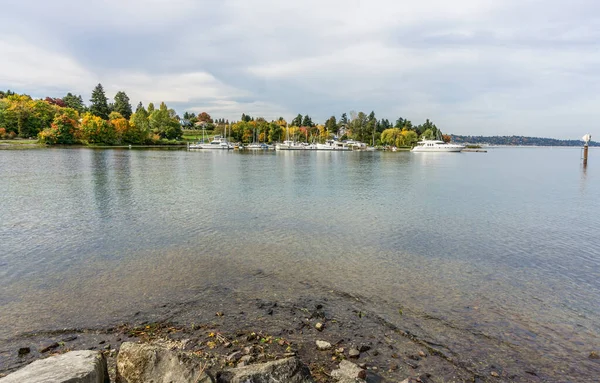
x=218, y=142
x=290, y=145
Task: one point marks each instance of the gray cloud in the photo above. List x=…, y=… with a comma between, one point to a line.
x=474, y=67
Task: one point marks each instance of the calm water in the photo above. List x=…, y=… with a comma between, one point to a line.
x=503, y=245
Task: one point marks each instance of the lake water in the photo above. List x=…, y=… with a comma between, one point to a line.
x=499, y=248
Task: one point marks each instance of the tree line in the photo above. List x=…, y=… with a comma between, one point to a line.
x=518, y=141
x=69, y=120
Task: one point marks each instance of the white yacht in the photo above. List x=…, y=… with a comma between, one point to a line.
x=436, y=146
x=333, y=145
x=218, y=142
x=291, y=145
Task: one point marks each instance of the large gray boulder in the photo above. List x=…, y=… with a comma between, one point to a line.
x=71, y=367
x=289, y=370
x=145, y=363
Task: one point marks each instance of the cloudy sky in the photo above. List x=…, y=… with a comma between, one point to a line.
x=490, y=67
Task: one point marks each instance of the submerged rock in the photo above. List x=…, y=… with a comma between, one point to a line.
x=353, y=353
x=289, y=370
x=349, y=372
x=143, y=363
x=72, y=367
x=322, y=345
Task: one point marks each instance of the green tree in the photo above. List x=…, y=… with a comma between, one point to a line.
x=140, y=125
x=307, y=121
x=163, y=124
x=359, y=128
x=150, y=108
x=99, y=103
x=297, y=121
x=343, y=123
x=331, y=125
x=74, y=102
x=122, y=105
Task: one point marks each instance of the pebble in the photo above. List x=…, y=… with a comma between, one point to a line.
x=353, y=353
x=364, y=348
x=339, y=350
x=24, y=350
x=594, y=355
x=494, y=373
x=421, y=353
x=319, y=326
x=249, y=350
x=393, y=366
x=322, y=345
x=362, y=365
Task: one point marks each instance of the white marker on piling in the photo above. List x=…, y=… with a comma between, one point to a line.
x=586, y=140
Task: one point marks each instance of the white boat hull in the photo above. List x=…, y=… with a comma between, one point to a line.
x=437, y=146
x=448, y=150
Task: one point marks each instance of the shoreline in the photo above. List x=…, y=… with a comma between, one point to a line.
x=393, y=349
x=278, y=328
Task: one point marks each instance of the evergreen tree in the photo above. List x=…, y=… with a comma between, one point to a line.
x=74, y=102
x=122, y=105
x=150, y=108
x=297, y=121
x=331, y=125
x=99, y=105
x=343, y=121
x=140, y=107
x=307, y=121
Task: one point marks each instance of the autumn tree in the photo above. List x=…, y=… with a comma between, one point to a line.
x=96, y=130
x=99, y=103
x=63, y=129
x=122, y=105
x=204, y=117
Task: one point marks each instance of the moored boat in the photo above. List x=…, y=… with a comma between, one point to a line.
x=436, y=146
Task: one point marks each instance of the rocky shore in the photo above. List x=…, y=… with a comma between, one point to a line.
x=321, y=333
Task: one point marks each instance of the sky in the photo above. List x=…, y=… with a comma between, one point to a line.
x=473, y=67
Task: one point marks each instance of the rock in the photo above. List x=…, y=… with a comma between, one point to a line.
x=322, y=345
x=289, y=370
x=48, y=347
x=364, y=348
x=24, y=350
x=353, y=353
x=393, y=366
x=421, y=353
x=234, y=356
x=494, y=374
x=319, y=326
x=594, y=355
x=71, y=367
x=142, y=363
x=348, y=371
x=339, y=350
x=249, y=350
